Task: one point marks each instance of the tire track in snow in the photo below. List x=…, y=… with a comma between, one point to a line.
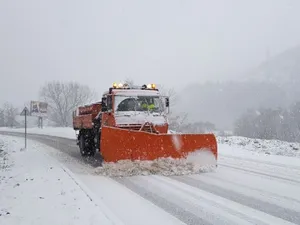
x=241, y=213
x=282, y=171
x=223, y=157
x=64, y=145
x=255, y=203
x=210, y=207
x=260, y=173
x=173, y=209
x=258, y=189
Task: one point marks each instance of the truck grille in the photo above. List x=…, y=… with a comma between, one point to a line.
x=147, y=128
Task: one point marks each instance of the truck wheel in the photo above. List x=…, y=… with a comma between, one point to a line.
x=82, y=146
x=86, y=147
x=91, y=150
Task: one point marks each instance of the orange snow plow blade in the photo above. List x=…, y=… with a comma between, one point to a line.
x=121, y=144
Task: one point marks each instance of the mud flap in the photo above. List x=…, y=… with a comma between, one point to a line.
x=120, y=144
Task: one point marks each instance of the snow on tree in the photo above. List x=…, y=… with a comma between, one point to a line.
x=8, y=115
x=279, y=123
x=64, y=98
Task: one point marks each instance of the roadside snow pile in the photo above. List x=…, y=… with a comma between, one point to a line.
x=270, y=147
x=5, y=161
x=64, y=132
x=35, y=189
x=197, y=162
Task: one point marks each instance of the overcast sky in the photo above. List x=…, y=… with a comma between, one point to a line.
x=170, y=42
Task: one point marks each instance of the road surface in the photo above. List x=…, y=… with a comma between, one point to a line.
x=240, y=191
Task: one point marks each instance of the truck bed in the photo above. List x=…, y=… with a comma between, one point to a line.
x=83, y=117
x=83, y=122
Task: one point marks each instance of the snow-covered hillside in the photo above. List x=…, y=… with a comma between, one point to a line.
x=281, y=69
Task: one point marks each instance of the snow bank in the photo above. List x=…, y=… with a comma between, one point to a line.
x=270, y=147
x=197, y=162
x=274, y=147
x=36, y=190
x=65, y=132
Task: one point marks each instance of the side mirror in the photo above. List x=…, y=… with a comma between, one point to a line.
x=167, y=102
x=103, y=105
x=109, y=102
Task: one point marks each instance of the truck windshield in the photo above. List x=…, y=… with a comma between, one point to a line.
x=138, y=103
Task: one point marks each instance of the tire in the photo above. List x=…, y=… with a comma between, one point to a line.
x=87, y=147
x=91, y=151
x=82, y=146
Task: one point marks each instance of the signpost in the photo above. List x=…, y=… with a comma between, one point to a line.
x=39, y=109
x=25, y=112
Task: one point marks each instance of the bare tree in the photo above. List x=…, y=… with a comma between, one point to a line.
x=129, y=81
x=176, y=120
x=2, y=118
x=267, y=123
x=63, y=98
x=198, y=127
x=170, y=92
x=9, y=113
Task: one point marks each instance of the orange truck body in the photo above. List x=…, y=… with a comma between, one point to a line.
x=83, y=119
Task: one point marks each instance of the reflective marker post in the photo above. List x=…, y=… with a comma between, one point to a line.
x=24, y=113
x=25, y=129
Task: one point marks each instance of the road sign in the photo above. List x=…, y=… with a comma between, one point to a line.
x=38, y=109
x=25, y=112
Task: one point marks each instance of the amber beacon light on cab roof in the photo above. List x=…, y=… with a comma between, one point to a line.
x=130, y=122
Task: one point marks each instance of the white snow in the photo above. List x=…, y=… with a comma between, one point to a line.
x=251, y=188
x=65, y=132
x=222, y=207
x=101, y=200
x=177, y=141
x=195, y=163
x=269, y=147
x=237, y=158
x=129, y=206
x=35, y=189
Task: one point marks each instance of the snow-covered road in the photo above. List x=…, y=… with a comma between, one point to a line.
x=247, y=188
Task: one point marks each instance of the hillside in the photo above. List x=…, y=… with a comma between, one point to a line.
x=222, y=103
x=281, y=69
x=272, y=84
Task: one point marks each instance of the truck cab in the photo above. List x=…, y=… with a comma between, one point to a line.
x=133, y=107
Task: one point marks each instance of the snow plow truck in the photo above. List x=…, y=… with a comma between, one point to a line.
x=131, y=123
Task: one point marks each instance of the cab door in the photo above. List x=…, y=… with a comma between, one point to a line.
x=107, y=110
